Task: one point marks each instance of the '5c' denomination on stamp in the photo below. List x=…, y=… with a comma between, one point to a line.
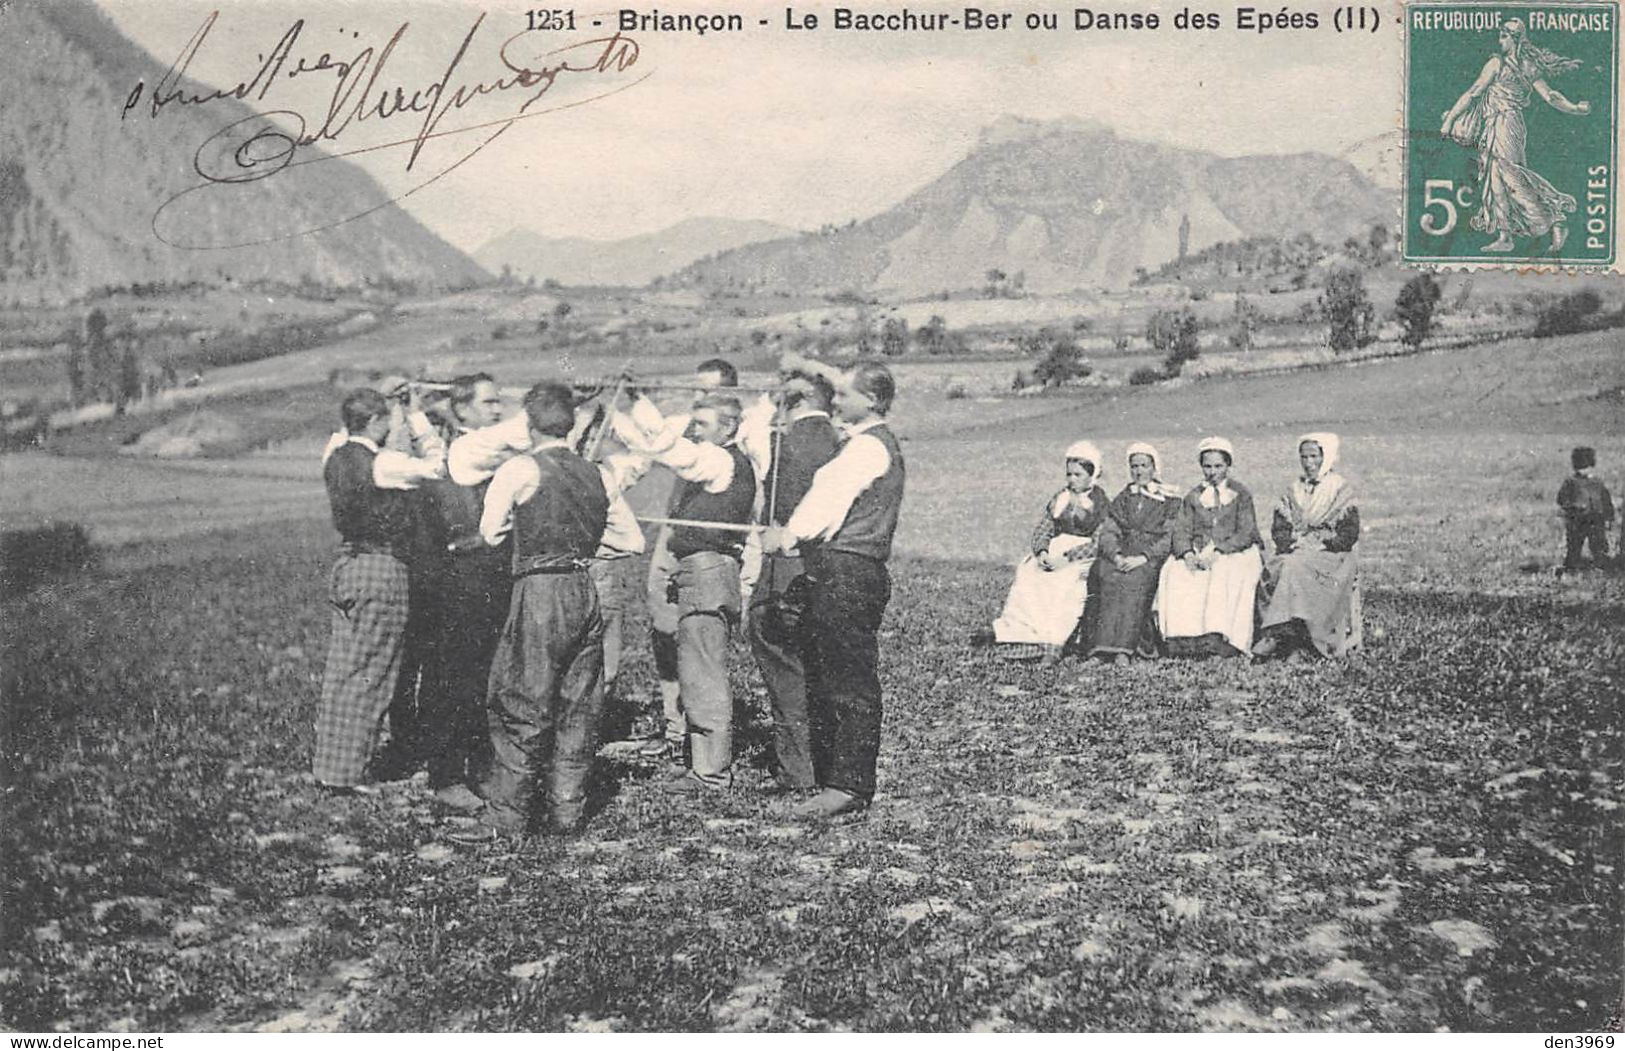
x=1512, y=134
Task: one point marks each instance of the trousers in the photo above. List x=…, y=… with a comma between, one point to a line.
x=369, y=595
x=782, y=657
x=609, y=577
x=1579, y=530
x=845, y=605
x=707, y=609
x=545, y=700
x=469, y=608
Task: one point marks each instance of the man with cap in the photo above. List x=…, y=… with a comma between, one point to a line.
x=368, y=489
x=844, y=526
x=546, y=688
x=1587, y=508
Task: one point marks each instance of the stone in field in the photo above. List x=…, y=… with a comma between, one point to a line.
x=915, y=911
x=1467, y=936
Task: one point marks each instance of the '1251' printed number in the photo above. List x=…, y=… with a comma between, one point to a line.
x=554, y=19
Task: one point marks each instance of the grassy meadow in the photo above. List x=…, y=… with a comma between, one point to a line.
x=1426, y=836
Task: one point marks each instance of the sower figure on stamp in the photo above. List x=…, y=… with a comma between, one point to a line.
x=546, y=689
x=805, y=441
x=368, y=490
x=717, y=484
x=1514, y=200
x=844, y=528
x=469, y=583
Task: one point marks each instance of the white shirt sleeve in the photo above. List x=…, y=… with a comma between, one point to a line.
x=513, y=483
x=337, y=439
x=756, y=435
x=710, y=465
x=859, y=464
x=644, y=426
x=475, y=456
x=624, y=470
x=643, y=430
x=392, y=469
x=622, y=535
x=426, y=441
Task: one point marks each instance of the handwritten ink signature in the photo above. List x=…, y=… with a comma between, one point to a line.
x=269, y=142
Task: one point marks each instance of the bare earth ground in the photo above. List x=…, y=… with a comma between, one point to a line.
x=1425, y=836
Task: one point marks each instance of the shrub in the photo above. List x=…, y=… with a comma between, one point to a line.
x=1063, y=363
x=894, y=337
x=1415, y=306
x=29, y=557
x=1346, y=309
x=1174, y=334
x=1247, y=321
x=957, y=392
x=1144, y=375
x=1572, y=313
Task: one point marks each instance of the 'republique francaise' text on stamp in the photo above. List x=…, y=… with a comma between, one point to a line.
x=1511, y=134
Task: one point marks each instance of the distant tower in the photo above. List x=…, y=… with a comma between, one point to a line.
x=1184, y=235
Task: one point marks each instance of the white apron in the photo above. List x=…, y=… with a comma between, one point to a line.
x=1044, y=606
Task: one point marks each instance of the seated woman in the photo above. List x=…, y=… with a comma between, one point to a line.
x=1052, y=583
x=1133, y=544
x=1206, y=593
x=1314, y=585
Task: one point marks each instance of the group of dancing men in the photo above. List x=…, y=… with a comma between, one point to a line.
x=477, y=597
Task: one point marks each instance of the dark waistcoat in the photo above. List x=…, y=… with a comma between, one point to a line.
x=559, y=528
x=366, y=516
x=733, y=505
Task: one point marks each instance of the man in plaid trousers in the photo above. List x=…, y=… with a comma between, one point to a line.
x=367, y=488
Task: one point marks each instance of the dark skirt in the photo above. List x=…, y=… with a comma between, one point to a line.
x=1125, y=623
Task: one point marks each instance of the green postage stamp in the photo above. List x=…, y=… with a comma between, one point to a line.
x=1512, y=129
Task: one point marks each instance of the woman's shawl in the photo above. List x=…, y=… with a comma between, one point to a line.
x=1318, y=502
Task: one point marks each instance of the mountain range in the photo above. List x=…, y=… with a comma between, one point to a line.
x=632, y=261
x=1059, y=205
x=79, y=185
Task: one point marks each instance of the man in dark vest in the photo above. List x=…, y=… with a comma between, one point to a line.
x=844, y=527
x=804, y=441
x=712, y=374
x=715, y=484
x=368, y=489
x=468, y=582
x=546, y=689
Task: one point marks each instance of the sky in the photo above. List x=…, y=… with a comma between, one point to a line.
x=800, y=128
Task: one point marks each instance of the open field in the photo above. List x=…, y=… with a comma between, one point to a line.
x=1425, y=836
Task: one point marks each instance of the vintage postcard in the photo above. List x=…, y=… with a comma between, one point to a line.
x=803, y=517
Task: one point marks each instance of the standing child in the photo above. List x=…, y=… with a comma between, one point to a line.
x=1587, y=510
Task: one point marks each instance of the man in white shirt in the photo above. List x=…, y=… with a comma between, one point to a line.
x=546, y=688
x=714, y=374
x=716, y=484
x=467, y=585
x=844, y=527
x=368, y=489
x=475, y=455
x=806, y=441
